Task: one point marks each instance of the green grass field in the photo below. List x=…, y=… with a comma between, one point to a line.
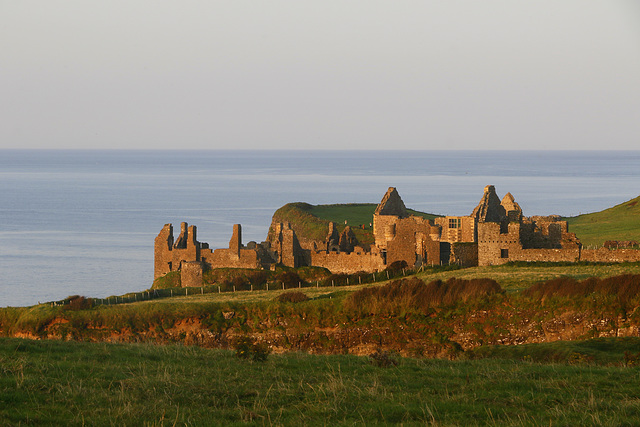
x=72, y=383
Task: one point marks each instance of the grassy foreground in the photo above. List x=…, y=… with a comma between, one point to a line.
x=72, y=383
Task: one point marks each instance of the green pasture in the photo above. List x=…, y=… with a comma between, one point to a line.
x=74, y=383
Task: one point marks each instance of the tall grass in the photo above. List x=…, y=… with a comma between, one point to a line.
x=414, y=295
x=625, y=288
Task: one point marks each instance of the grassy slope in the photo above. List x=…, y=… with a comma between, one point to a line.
x=71, y=383
x=621, y=222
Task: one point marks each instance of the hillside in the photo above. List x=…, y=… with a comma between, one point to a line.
x=621, y=222
x=312, y=221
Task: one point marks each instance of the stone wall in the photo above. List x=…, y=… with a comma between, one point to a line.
x=170, y=254
x=384, y=229
x=191, y=274
x=287, y=247
x=547, y=255
x=532, y=239
x=610, y=255
x=412, y=242
x=236, y=256
x=464, y=254
x=229, y=258
x=494, y=247
x=341, y=262
x=457, y=228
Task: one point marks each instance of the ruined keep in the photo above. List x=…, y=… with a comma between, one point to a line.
x=495, y=232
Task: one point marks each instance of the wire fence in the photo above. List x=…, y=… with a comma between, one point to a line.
x=332, y=281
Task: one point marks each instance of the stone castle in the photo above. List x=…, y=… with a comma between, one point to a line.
x=495, y=233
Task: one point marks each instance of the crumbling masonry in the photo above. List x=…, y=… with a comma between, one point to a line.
x=495, y=233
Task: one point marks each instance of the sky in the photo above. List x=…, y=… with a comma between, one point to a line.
x=347, y=74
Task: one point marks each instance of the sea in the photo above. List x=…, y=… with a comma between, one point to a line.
x=83, y=222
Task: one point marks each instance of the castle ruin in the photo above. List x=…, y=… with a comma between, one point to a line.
x=496, y=232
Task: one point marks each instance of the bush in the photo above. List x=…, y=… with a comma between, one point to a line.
x=292, y=296
x=76, y=302
x=258, y=279
x=169, y=280
x=396, y=266
x=246, y=348
x=291, y=279
x=240, y=283
x=412, y=294
x=337, y=279
x=625, y=288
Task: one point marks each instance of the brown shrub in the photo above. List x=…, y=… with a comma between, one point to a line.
x=396, y=266
x=292, y=296
x=625, y=287
x=337, y=279
x=258, y=278
x=412, y=294
x=77, y=302
x=240, y=283
x=291, y=279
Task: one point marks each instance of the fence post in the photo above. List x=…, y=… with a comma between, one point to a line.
x=299, y=285
x=171, y=293
x=387, y=274
x=218, y=288
x=252, y=287
x=332, y=284
x=202, y=290
x=283, y=286
x=234, y=288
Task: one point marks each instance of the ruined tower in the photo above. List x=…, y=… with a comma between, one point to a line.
x=489, y=209
x=389, y=211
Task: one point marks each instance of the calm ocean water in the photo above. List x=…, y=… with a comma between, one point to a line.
x=83, y=222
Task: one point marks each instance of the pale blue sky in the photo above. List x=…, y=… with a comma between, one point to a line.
x=449, y=74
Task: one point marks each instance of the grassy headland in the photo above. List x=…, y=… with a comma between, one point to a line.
x=621, y=222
